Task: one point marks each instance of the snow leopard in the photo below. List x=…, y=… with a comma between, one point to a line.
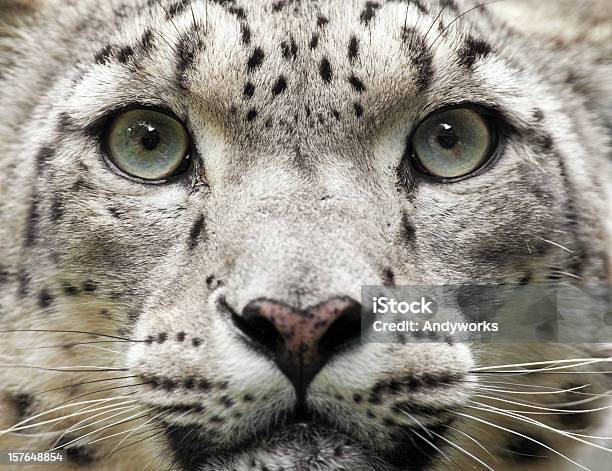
x=194, y=192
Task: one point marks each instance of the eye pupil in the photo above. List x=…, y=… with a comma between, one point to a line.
x=147, y=144
x=452, y=143
x=447, y=138
x=150, y=140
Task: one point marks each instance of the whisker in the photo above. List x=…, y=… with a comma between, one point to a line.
x=103, y=390
x=562, y=247
x=78, y=426
x=68, y=345
x=162, y=430
x=473, y=440
x=461, y=16
x=522, y=435
x=581, y=361
x=435, y=20
x=495, y=410
x=585, y=401
x=462, y=450
x=91, y=408
x=534, y=393
x=541, y=372
x=548, y=409
x=68, y=369
x=124, y=439
x=20, y=426
x=82, y=383
x=97, y=334
x=128, y=419
x=435, y=447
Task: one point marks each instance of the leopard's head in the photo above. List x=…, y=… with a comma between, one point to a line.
x=206, y=186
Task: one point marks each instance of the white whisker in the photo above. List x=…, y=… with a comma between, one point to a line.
x=486, y=422
x=19, y=426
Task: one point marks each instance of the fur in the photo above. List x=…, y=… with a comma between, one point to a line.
x=299, y=113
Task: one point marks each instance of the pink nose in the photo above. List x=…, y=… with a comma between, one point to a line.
x=301, y=341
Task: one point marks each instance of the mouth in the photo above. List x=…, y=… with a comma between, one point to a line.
x=302, y=435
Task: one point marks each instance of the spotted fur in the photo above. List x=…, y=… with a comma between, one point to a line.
x=300, y=191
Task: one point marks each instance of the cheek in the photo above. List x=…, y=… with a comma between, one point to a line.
x=496, y=227
x=113, y=237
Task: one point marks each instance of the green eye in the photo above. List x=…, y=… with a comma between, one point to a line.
x=147, y=144
x=452, y=144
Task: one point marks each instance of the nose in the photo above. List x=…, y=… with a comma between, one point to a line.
x=301, y=341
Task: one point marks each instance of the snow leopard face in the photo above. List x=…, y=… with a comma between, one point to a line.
x=194, y=192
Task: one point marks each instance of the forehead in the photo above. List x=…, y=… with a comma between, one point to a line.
x=295, y=73
x=314, y=51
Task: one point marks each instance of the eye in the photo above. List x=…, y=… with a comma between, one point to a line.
x=452, y=144
x=147, y=144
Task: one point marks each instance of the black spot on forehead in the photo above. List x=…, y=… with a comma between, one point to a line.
x=278, y=6
x=473, y=50
x=369, y=12
x=358, y=107
x=420, y=56
x=353, y=48
x=280, y=86
x=449, y=5
x=314, y=41
x=322, y=21
x=256, y=59
x=103, y=55
x=177, y=8
x=357, y=84
x=249, y=90
x=245, y=34
x=146, y=41
x=125, y=53
x=417, y=3
x=289, y=49
x=251, y=115
x=187, y=48
x=238, y=11
x=325, y=70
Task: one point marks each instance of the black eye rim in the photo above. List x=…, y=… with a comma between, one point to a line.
x=495, y=124
x=178, y=175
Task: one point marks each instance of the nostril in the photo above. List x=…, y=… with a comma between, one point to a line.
x=300, y=340
x=257, y=327
x=345, y=330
